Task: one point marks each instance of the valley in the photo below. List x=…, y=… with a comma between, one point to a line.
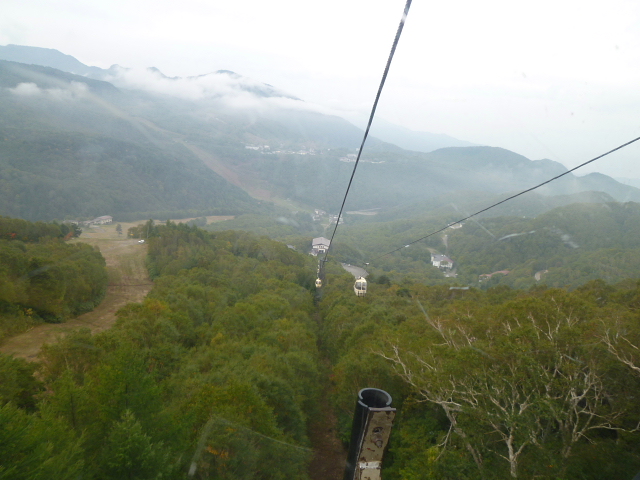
x=199, y=345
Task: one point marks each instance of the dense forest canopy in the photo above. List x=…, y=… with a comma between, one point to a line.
x=44, y=278
x=79, y=175
x=496, y=384
x=563, y=246
x=220, y=370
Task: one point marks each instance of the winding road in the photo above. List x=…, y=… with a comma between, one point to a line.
x=355, y=271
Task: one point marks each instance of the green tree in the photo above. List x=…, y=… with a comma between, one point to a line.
x=529, y=376
x=35, y=448
x=17, y=383
x=129, y=453
x=77, y=231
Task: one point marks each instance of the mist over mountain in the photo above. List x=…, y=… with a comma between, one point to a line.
x=412, y=140
x=48, y=57
x=238, y=92
x=634, y=182
x=603, y=182
x=241, y=138
x=454, y=206
x=69, y=151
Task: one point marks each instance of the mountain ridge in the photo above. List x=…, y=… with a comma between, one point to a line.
x=265, y=142
x=56, y=59
x=46, y=57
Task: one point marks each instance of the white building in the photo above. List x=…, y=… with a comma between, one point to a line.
x=320, y=245
x=334, y=219
x=103, y=220
x=441, y=261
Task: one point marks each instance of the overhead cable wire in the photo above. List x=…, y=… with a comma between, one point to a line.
x=366, y=132
x=510, y=198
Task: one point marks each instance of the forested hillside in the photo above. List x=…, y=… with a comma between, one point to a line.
x=498, y=384
x=43, y=278
x=219, y=371
x=571, y=245
x=565, y=246
x=68, y=150
x=140, y=144
x=389, y=178
x=530, y=371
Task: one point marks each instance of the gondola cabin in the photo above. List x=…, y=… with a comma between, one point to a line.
x=360, y=287
x=318, y=283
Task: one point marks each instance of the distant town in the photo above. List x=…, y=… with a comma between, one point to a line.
x=266, y=150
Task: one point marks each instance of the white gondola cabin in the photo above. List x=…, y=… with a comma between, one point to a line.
x=360, y=287
x=318, y=283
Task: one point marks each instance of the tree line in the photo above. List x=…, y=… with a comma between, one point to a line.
x=44, y=278
x=18, y=229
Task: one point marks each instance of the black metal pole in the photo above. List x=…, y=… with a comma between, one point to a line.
x=372, y=422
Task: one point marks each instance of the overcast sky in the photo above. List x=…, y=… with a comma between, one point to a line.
x=556, y=79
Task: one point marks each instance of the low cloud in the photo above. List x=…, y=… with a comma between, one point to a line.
x=213, y=85
x=74, y=91
x=26, y=90
x=228, y=88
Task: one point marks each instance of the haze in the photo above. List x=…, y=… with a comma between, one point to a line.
x=544, y=79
